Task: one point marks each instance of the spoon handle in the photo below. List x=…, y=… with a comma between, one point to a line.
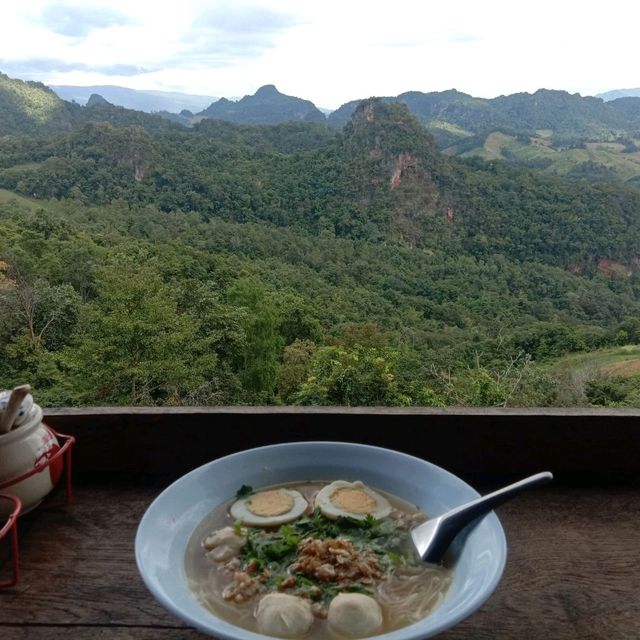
x=453, y=521
x=13, y=407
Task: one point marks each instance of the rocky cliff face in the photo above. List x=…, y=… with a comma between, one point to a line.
x=401, y=157
x=401, y=167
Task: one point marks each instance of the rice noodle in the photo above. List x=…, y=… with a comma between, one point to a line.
x=209, y=589
x=411, y=592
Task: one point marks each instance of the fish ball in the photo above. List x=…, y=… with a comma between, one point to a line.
x=283, y=616
x=354, y=615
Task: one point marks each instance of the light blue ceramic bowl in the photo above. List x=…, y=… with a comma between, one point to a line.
x=163, y=533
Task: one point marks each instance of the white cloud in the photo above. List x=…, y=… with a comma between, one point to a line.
x=328, y=52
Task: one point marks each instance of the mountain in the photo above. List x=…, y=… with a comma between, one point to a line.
x=569, y=115
x=31, y=106
x=96, y=98
x=564, y=113
x=296, y=263
x=629, y=108
x=586, y=139
x=381, y=178
x=619, y=93
x=140, y=100
x=554, y=131
x=266, y=106
x=450, y=106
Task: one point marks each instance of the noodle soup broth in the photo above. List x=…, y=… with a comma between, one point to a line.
x=342, y=539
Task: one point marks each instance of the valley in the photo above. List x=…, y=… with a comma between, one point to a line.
x=143, y=262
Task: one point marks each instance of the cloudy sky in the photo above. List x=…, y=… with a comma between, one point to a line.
x=328, y=51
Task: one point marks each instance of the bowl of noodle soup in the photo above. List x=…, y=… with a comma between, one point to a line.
x=185, y=546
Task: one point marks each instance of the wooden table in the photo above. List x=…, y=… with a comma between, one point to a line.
x=573, y=569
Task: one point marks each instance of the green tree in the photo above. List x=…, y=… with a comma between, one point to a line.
x=43, y=311
x=353, y=377
x=297, y=321
x=296, y=363
x=220, y=328
x=257, y=362
x=36, y=320
x=25, y=360
x=135, y=345
x=366, y=334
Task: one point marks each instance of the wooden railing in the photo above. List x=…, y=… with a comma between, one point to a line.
x=573, y=443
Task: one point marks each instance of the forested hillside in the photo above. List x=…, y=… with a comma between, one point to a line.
x=31, y=108
x=553, y=131
x=146, y=263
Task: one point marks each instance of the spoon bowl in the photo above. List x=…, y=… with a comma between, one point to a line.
x=433, y=537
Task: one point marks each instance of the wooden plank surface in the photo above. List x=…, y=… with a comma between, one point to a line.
x=572, y=571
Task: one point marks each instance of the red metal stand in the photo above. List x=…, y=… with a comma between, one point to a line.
x=65, y=450
x=10, y=528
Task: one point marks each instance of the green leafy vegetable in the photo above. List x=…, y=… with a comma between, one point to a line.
x=271, y=552
x=244, y=491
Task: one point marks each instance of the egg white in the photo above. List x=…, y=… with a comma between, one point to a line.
x=240, y=511
x=328, y=509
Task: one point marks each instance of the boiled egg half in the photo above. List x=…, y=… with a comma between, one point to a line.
x=351, y=500
x=269, y=508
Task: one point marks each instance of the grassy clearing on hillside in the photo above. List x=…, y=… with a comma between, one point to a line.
x=501, y=146
x=598, y=360
x=626, y=368
x=494, y=145
x=450, y=127
x=575, y=370
x=26, y=166
x=610, y=146
x=8, y=197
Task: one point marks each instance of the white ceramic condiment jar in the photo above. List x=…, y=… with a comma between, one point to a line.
x=23, y=449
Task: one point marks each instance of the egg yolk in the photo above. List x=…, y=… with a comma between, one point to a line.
x=270, y=503
x=353, y=500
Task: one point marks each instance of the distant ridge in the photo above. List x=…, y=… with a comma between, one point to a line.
x=619, y=93
x=550, y=130
x=559, y=111
x=266, y=106
x=450, y=115
x=140, y=100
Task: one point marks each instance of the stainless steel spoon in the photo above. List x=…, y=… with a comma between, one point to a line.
x=433, y=537
x=12, y=409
